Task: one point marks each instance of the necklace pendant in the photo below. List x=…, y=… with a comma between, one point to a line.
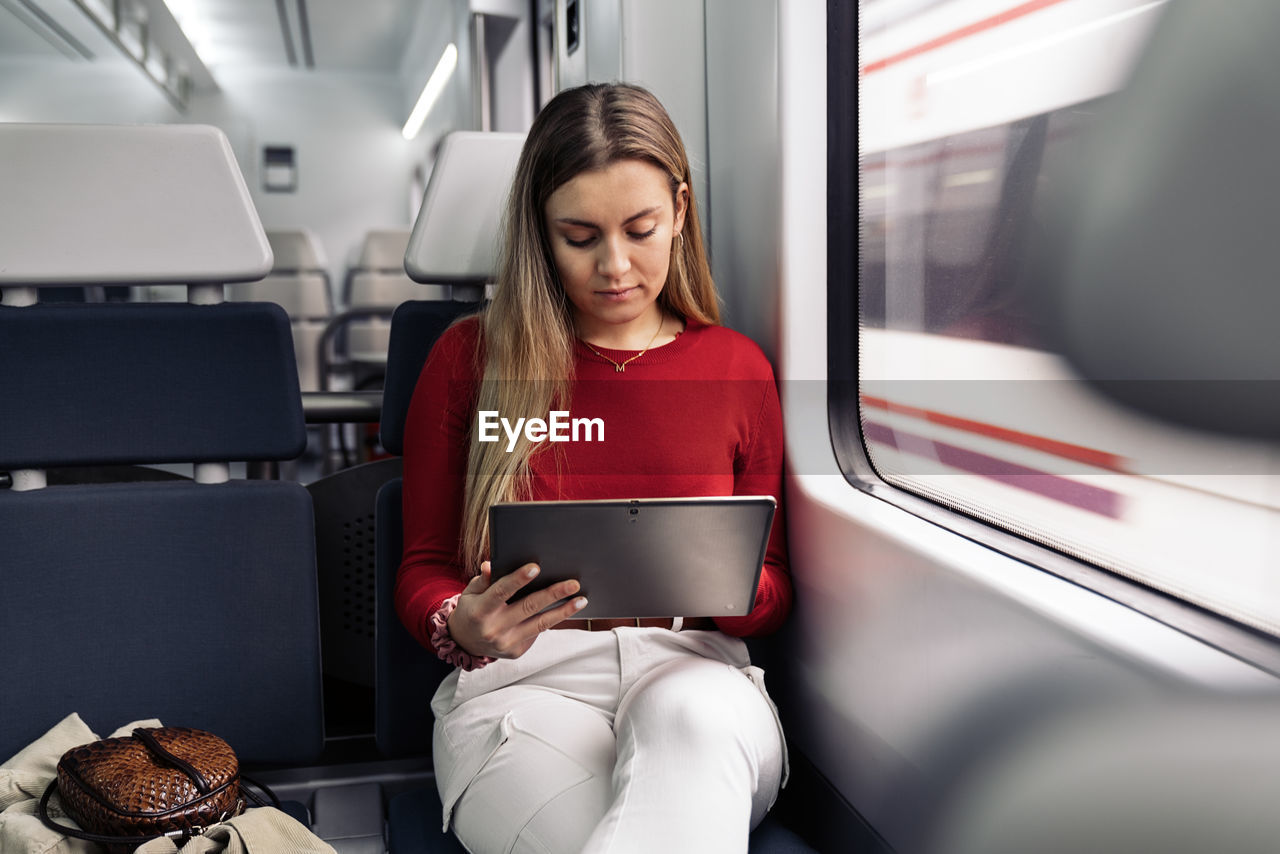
x=619, y=369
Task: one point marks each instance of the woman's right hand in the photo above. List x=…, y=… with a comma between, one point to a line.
x=484, y=623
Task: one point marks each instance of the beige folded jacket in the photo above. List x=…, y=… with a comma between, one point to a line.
x=24, y=778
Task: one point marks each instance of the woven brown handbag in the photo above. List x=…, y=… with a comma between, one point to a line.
x=164, y=781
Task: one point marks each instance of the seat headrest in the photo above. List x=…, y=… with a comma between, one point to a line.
x=384, y=249
x=455, y=239
x=153, y=204
x=295, y=250
x=105, y=384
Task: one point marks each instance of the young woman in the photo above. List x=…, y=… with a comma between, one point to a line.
x=613, y=735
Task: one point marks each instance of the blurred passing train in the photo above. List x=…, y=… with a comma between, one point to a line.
x=1030, y=615
x=961, y=159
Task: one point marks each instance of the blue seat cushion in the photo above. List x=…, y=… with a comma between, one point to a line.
x=413, y=824
x=772, y=837
x=191, y=603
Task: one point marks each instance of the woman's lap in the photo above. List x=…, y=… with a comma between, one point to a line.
x=531, y=766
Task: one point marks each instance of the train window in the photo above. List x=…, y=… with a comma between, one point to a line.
x=970, y=114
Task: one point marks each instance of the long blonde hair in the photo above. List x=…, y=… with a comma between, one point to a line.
x=527, y=331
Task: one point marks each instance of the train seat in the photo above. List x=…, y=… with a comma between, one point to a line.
x=406, y=674
x=358, y=338
x=454, y=242
x=454, y=246
x=414, y=314
x=344, y=500
x=378, y=281
x=192, y=600
x=381, y=292
x=299, y=283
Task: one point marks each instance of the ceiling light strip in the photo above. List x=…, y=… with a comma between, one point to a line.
x=435, y=85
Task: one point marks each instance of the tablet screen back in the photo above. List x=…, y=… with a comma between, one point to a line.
x=659, y=557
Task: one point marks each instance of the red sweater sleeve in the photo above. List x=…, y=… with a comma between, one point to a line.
x=759, y=472
x=435, y=453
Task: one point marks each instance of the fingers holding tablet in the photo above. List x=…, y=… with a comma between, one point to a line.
x=487, y=623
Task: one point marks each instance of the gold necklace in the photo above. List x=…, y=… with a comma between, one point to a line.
x=619, y=367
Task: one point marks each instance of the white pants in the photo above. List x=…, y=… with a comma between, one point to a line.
x=629, y=740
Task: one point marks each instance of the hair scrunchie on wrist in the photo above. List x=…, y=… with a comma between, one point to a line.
x=446, y=647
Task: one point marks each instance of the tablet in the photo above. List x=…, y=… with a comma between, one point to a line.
x=647, y=557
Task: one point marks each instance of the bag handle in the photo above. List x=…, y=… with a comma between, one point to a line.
x=149, y=741
x=266, y=790
x=43, y=811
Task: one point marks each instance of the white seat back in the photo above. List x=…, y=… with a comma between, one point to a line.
x=208, y=233
x=378, y=281
x=297, y=281
x=456, y=236
x=299, y=284
x=303, y=296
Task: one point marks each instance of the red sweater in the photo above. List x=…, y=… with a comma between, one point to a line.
x=697, y=416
